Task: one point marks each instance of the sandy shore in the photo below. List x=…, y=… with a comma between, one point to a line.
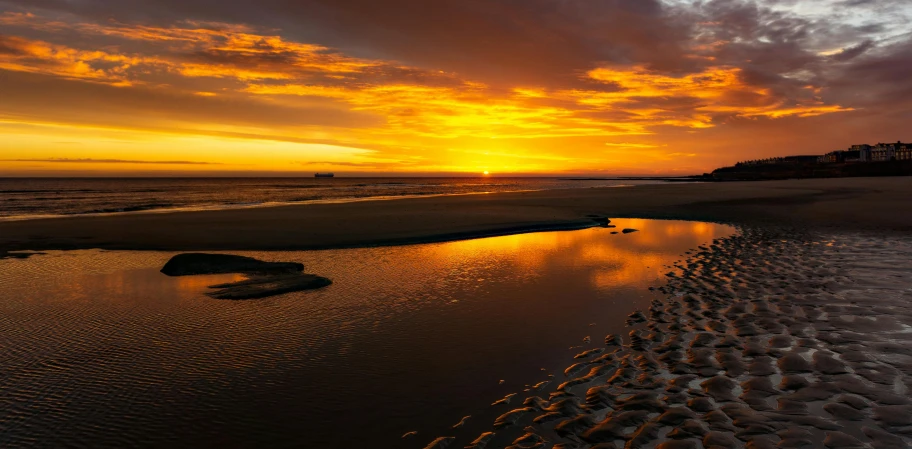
x=855, y=203
x=771, y=338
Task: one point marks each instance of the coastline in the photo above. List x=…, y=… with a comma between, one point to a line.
x=851, y=204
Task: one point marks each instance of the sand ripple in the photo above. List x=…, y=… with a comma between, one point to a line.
x=770, y=338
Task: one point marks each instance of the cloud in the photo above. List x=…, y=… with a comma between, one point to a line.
x=109, y=161
x=630, y=145
x=408, y=78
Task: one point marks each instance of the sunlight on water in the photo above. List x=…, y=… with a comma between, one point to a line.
x=105, y=350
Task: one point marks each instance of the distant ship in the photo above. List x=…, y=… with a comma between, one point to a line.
x=323, y=175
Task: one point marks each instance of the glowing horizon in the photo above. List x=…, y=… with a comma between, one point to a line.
x=92, y=93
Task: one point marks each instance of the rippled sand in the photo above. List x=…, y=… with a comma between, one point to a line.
x=771, y=338
x=100, y=349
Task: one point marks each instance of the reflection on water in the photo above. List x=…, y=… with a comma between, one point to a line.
x=99, y=348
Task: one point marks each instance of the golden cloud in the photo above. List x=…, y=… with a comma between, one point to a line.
x=209, y=60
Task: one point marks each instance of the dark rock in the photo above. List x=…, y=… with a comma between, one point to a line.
x=200, y=263
x=629, y=230
x=267, y=278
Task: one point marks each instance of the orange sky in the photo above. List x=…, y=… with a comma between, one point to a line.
x=671, y=87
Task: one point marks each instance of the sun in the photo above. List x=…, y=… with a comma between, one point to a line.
x=486, y=173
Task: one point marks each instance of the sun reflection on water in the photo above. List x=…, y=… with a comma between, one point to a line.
x=420, y=332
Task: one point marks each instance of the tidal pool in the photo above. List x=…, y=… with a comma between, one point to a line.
x=100, y=349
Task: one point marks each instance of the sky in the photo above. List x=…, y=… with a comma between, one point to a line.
x=444, y=87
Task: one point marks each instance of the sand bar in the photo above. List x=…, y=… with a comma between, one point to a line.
x=846, y=203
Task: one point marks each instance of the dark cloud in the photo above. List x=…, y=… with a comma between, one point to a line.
x=510, y=41
x=53, y=99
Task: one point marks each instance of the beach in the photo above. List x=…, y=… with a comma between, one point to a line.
x=101, y=347
x=841, y=203
x=772, y=338
x=769, y=314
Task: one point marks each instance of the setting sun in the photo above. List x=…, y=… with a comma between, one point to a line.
x=232, y=93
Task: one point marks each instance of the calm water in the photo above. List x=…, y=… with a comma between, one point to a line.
x=29, y=197
x=99, y=349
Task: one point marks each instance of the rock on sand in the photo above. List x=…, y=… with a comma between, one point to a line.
x=266, y=278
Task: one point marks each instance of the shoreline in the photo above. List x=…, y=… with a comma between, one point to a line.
x=279, y=203
x=271, y=204
x=879, y=204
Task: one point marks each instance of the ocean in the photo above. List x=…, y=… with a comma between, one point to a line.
x=23, y=198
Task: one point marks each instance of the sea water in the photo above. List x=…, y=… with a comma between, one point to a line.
x=99, y=349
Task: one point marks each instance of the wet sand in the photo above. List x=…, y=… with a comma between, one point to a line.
x=856, y=203
x=794, y=333
x=102, y=347
x=776, y=337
